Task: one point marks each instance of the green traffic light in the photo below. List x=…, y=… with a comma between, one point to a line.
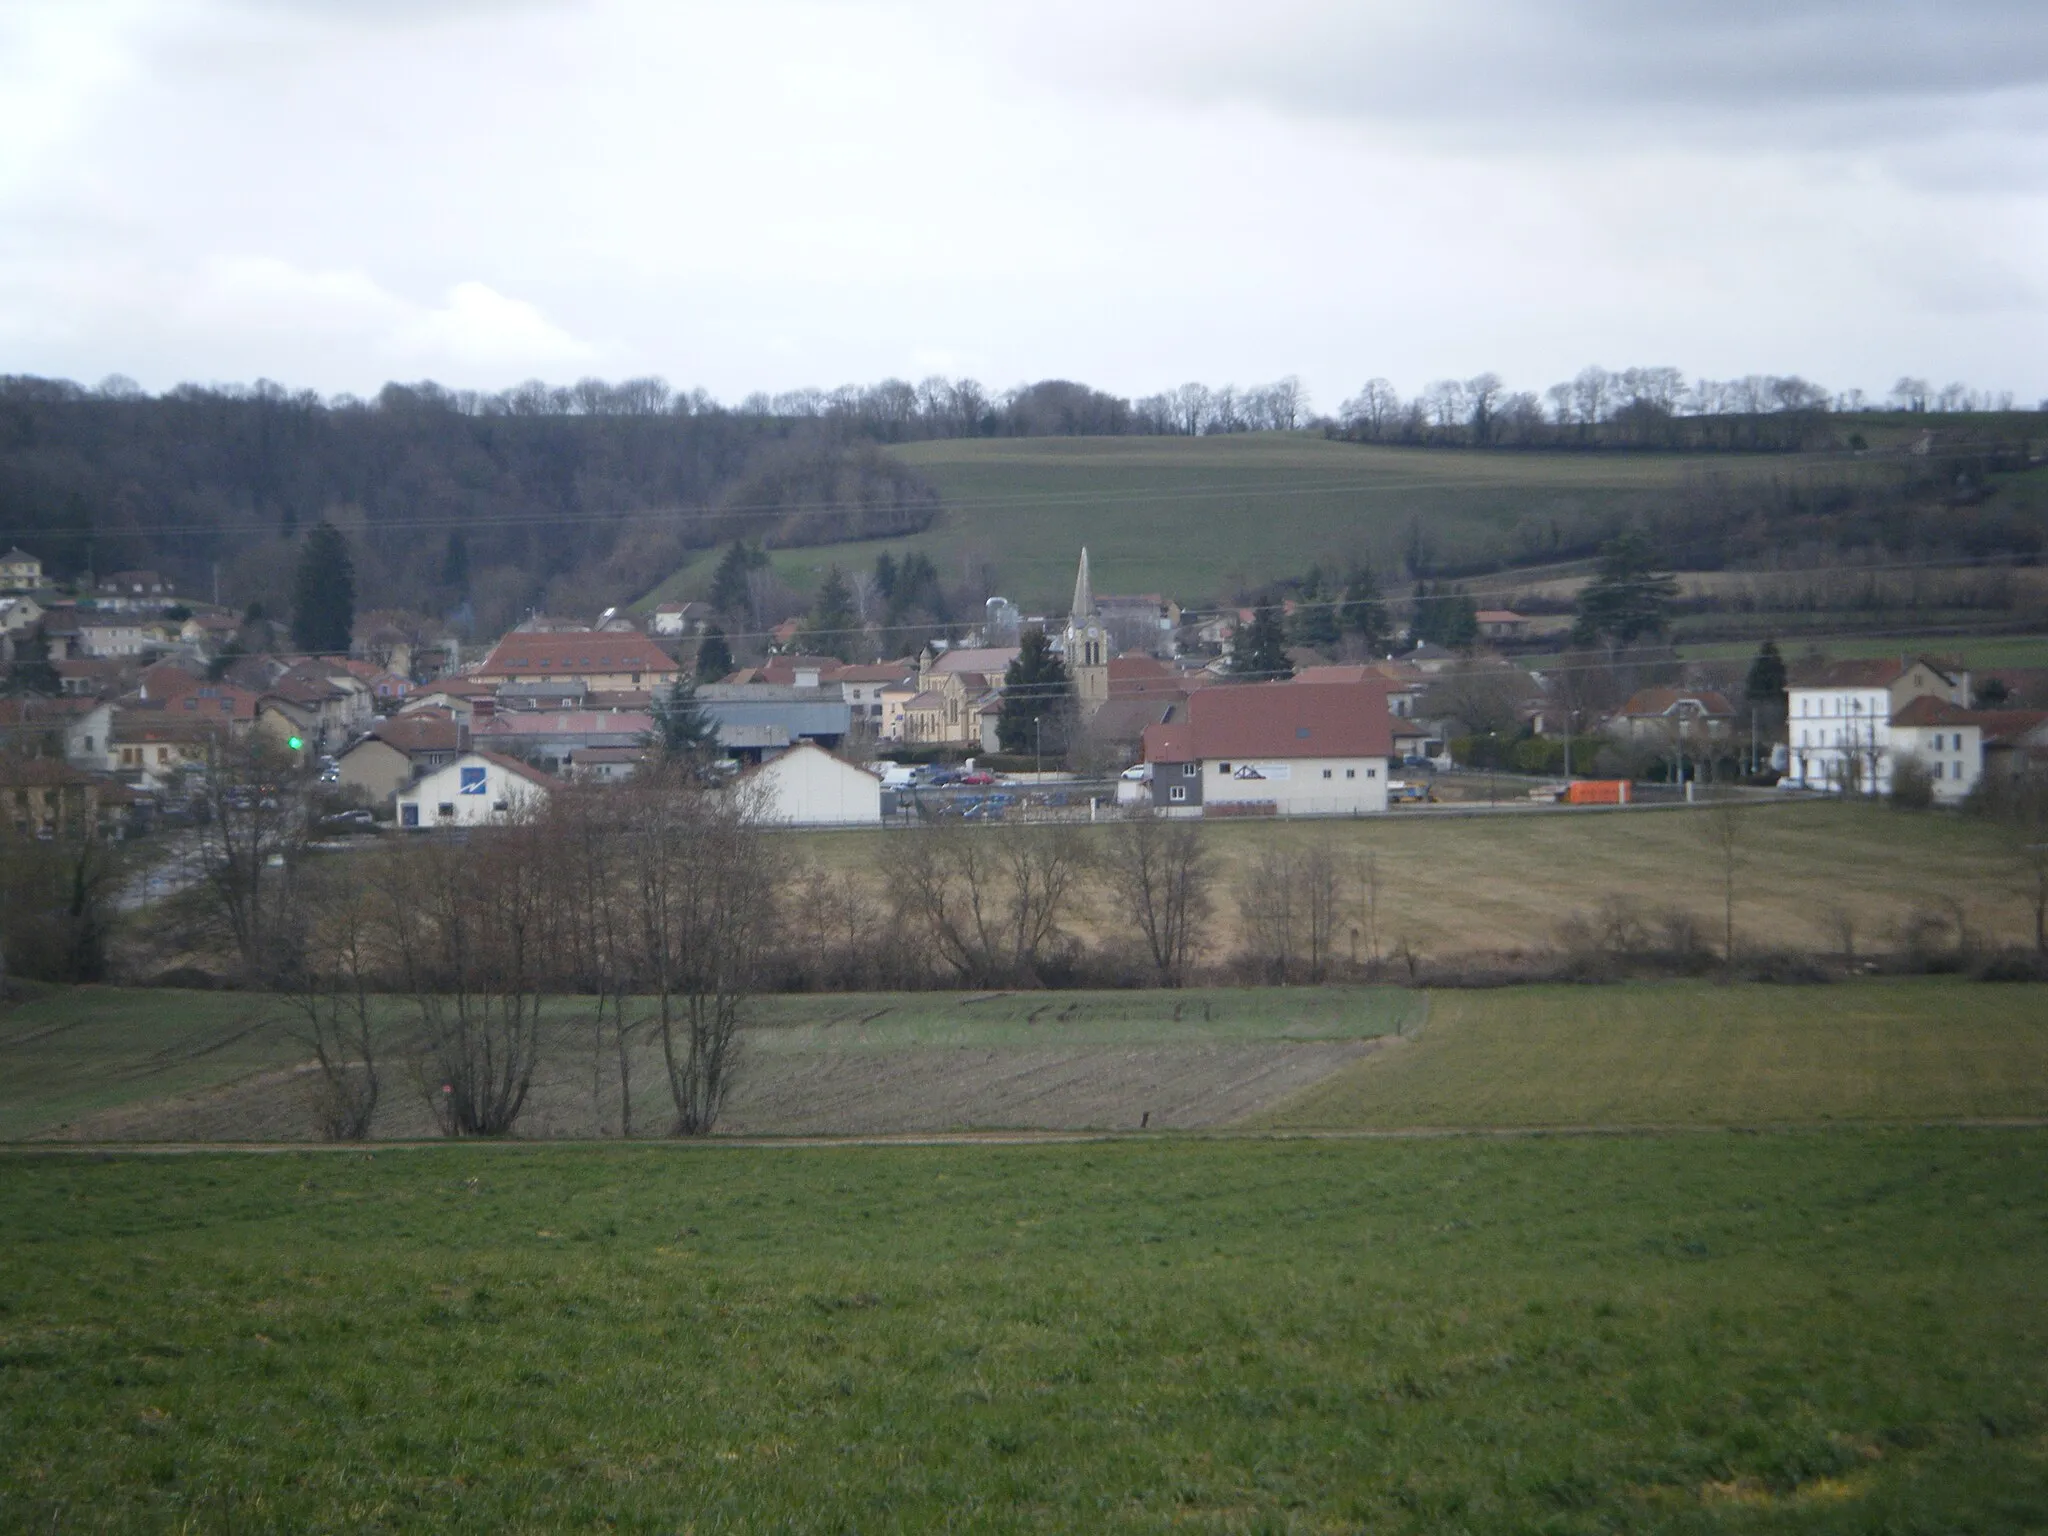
x=295, y=742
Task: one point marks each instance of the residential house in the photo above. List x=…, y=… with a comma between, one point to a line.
x=1141, y=624
x=149, y=747
x=132, y=587
x=1287, y=749
x=1946, y=739
x=20, y=570
x=606, y=765
x=74, y=729
x=1499, y=624
x=101, y=636
x=398, y=751
x=47, y=797
x=598, y=659
x=896, y=699
x=1668, y=717
x=19, y=614
x=477, y=789
x=2015, y=742
x=863, y=687
x=1838, y=718
x=91, y=679
x=681, y=619
x=809, y=787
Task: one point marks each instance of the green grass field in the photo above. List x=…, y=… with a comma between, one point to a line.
x=1976, y=651
x=1833, y=1332
x=1197, y=517
x=1692, y=1053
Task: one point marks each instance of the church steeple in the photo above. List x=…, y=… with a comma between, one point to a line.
x=1086, y=644
x=1084, y=594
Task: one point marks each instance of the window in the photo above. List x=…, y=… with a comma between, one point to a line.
x=1224, y=769
x=1189, y=770
x=1372, y=773
x=1937, y=769
x=446, y=808
x=1350, y=773
x=409, y=815
x=1301, y=733
x=1326, y=773
x=1178, y=792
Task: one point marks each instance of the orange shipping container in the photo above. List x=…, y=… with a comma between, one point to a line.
x=1597, y=792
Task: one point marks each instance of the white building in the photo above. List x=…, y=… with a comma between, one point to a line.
x=1947, y=740
x=1274, y=749
x=478, y=789
x=809, y=787
x=1838, y=720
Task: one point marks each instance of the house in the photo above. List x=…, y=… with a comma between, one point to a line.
x=1946, y=739
x=19, y=614
x=477, y=789
x=896, y=700
x=100, y=637
x=400, y=750
x=1838, y=717
x=1287, y=749
x=809, y=787
x=863, y=687
x=135, y=584
x=149, y=747
x=20, y=570
x=2015, y=742
x=681, y=619
x=43, y=796
x=1502, y=624
x=1142, y=624
x=952, y=686
x=598, y=659
x=1664, y=716
x=606, y=765
x=74, y=729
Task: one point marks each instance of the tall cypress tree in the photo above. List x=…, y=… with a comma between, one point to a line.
x=714, y=656
x=1766, y=681
x=324, y=593
x=831, y=631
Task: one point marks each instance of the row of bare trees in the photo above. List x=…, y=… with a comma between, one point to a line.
x=634, y=914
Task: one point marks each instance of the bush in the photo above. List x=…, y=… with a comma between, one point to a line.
x=1912, y=785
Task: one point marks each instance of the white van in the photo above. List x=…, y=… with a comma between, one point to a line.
x=901, y=776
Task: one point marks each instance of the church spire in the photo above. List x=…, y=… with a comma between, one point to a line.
x=1084, y=594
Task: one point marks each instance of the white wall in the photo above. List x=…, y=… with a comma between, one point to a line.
x=493, y=795
x=1819, y=726
x=1302, y=786
x=1954, y=755
x=806, y=786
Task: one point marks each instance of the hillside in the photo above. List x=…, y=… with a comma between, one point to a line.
x=1208, y=517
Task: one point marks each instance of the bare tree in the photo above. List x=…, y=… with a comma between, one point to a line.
x=473, y=936
x=703, y=890
x=1159, y=873
x=989, y=902
x=1725, y=831
x=586, y=830
x=1319, y=877
x=331, y=996
x=1368, y=887
x=1268, y=913
x=249, y=847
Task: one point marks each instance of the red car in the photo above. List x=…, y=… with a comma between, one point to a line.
x=979, y=776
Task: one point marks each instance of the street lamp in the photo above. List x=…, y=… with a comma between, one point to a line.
x=1037, y=753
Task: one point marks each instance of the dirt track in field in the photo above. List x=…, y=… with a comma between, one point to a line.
x=856, y=1093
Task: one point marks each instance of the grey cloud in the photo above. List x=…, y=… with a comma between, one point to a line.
x=1820, y=70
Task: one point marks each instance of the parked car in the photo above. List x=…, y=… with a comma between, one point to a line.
x=980, y=777
x=349, y=821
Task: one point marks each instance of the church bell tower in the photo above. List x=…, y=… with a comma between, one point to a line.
x=1087, y=645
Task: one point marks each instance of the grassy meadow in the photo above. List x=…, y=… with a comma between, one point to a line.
x=1696, y=1053
x=1817, y=1332
x=1195, y=517
x=1463, y=885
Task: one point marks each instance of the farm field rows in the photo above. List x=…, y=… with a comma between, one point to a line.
x=75, y=1066
x=1835, y=1331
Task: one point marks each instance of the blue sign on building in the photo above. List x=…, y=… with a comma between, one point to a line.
x=473, y=781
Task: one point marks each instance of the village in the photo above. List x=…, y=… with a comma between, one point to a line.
x=1150, y=710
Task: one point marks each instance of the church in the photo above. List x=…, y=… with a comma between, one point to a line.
x=1085, y=643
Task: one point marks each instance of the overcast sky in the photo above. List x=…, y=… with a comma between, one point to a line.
x=333, y=193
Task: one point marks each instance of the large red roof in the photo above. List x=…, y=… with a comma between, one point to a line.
x=577, y=653
x=1268, y=720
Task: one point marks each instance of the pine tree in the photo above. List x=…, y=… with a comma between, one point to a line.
x=324, y=593
x=1362, y=613
x=1259, y=650
x=455, y=563
x=833, y=628
x=729, y=581
x=1766, y=681
x=1628, y=599
x=1038, y=699
x=714, y=656
x=681, y=728
x=1315, y=614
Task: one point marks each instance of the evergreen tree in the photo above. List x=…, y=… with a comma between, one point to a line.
x=885, y=575
x=714, y=656
x=455, y=562
x=324, y=593
x=833, y=628
x=32, y=671
x=1444, y=615
x=1766, y=681
x=1036, y=688
x=1628, y=600
x=1259, y=650
x=729, y=581
x=1362, y=613
x=1315, y=613
x=681, y=728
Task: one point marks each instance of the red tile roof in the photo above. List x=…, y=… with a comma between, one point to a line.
x=1653, y=702
x=576, y=653
x=1271, y=720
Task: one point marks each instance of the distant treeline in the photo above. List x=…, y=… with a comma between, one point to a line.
x=563, y=496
